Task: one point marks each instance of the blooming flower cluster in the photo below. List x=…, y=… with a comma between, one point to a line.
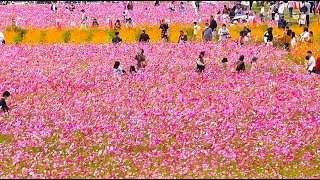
x=71, y=118
x=143, y=13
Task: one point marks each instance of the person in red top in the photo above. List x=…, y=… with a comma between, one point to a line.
x=318, y=65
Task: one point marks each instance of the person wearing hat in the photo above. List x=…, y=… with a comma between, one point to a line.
x=207, y=33
x=144, y=37
x=196, y=29
x=200, y=63
x=282, y=23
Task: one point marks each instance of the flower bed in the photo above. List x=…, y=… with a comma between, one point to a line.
x=40, y=16
x=71, y=118
x=102, y=36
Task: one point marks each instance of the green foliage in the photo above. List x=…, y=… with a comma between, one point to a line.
x=21, y=33
x=110, y=35
x=43, y=36
x=66, y=35
x=189, y=33
x=89, y=35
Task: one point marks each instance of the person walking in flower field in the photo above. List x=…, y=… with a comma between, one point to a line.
x=224, y=33
x=83, y=19
x=213, y=26
x=196, y=31
x=164, y=27
x=207, y=34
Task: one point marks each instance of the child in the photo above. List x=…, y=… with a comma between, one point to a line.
x=302, y=19
x=3, y=103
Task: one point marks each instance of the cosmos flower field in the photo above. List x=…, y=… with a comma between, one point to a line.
x=70, y=117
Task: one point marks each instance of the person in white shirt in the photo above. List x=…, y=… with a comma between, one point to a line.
x=117, y=69
x=293, y=40
x=129, y=23
x=302, y=19
x=225, y=19
x=193, y=3
x=305, y=35
x=223, y=33
x=311, y=62
x=217, y=16
x=171, y=6
x=196, y=31
x=262, y=13
x=281, y=8
x=2, y=41
x=83, y=19
x=54, y=7
x=126, y=15
x=276, y=17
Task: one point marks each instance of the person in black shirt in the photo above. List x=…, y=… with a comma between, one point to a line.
x=144, y=37
x=95, y=23
x=116, y=39
x=182, y=38
x=132, y=70
x=130, y=6
x=53, y=7
x=3, y=103
x=71, y=7
x=240, y=64
x=213, y=25
x=232, y=14
x=268, y=36
x=164, y=30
